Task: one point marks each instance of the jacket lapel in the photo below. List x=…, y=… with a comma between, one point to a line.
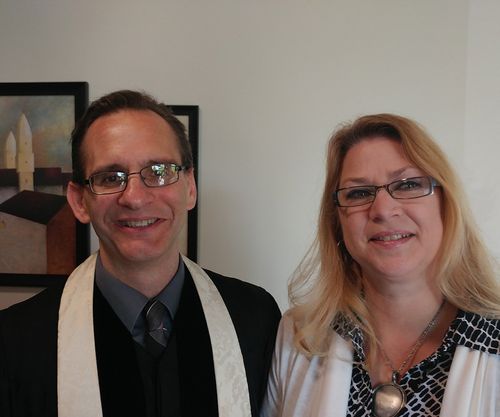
x=120, y=381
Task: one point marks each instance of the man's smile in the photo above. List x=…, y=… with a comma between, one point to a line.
x=138, y=223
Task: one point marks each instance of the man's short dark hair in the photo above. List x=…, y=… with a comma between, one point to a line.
x=125, y=100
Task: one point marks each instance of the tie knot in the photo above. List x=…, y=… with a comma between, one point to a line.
x=158, y=323
x=156, y=315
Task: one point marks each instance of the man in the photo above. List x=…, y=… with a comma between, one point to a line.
x=137, y=329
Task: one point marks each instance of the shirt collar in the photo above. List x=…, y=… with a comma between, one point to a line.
x=128, y=303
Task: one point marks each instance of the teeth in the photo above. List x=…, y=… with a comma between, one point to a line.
x=139, y=223
x=395, y=236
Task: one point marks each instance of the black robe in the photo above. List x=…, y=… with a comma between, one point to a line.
x=184, y=377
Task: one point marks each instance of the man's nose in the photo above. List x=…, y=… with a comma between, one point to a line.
x=136, y=193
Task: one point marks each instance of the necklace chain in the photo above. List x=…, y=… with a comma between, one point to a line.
x=396, y=373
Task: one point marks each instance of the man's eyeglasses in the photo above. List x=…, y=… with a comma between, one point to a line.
x=156, y=175
x=404, y=189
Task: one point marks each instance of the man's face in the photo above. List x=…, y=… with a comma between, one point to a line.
x=140, y=224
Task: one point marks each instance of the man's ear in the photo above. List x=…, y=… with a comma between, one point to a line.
x=74, y=195
x=192, y=192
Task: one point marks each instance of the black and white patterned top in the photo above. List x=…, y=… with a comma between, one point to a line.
x=425, y=382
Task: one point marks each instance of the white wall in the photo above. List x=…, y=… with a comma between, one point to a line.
x=482, y=117
x=272, y=79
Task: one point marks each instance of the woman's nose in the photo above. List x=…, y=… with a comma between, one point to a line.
x=384, y=205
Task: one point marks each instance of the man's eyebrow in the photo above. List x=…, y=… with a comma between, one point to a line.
x=112, y=167
x=121, y=168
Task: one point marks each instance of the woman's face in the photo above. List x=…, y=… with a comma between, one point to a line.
x=390, y=239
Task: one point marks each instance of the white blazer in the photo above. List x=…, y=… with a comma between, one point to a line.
x=319, y=386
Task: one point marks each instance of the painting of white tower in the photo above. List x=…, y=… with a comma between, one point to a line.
x=10, y=151
x=25, y=155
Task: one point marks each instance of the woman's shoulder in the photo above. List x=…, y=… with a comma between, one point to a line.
x=287, y=350
x=288, y=339
x=286, y=330
x=290, y=360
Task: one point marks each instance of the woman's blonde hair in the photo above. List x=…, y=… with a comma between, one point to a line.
x=328, y=281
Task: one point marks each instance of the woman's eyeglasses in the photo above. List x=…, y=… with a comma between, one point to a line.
x=404, y=189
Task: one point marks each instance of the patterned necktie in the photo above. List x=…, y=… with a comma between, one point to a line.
x=157, y=323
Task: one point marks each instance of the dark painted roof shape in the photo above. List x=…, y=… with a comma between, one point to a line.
x=34, y=206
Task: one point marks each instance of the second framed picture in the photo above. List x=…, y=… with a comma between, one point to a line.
x=188, y=115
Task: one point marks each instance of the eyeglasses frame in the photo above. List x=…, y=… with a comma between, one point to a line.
x=177, y=168
x=433, y=183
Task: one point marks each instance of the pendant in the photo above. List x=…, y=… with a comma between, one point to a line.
x=389, y=398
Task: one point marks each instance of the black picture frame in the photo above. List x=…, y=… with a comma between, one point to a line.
x=79, y=92
x=189, y=115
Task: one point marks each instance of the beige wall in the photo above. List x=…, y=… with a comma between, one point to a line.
x=272, y=79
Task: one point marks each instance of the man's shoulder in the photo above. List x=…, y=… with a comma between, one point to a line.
x=44, y=305
x=245, y=298
x=28, y=330
x=237, y=287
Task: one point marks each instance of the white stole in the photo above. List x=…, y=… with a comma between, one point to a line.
x=77, y=379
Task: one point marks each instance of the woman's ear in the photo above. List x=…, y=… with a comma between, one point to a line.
x=74, y=195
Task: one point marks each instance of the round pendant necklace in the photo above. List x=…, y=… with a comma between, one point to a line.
x=390, y=398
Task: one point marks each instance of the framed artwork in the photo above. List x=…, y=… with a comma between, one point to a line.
x=188, y=115
x=40, y=240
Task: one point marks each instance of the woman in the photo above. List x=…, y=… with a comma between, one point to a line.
x=396, y=306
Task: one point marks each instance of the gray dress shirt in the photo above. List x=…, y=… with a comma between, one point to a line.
x=128, y=303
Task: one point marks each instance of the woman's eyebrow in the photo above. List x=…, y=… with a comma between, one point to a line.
x=364, y=181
